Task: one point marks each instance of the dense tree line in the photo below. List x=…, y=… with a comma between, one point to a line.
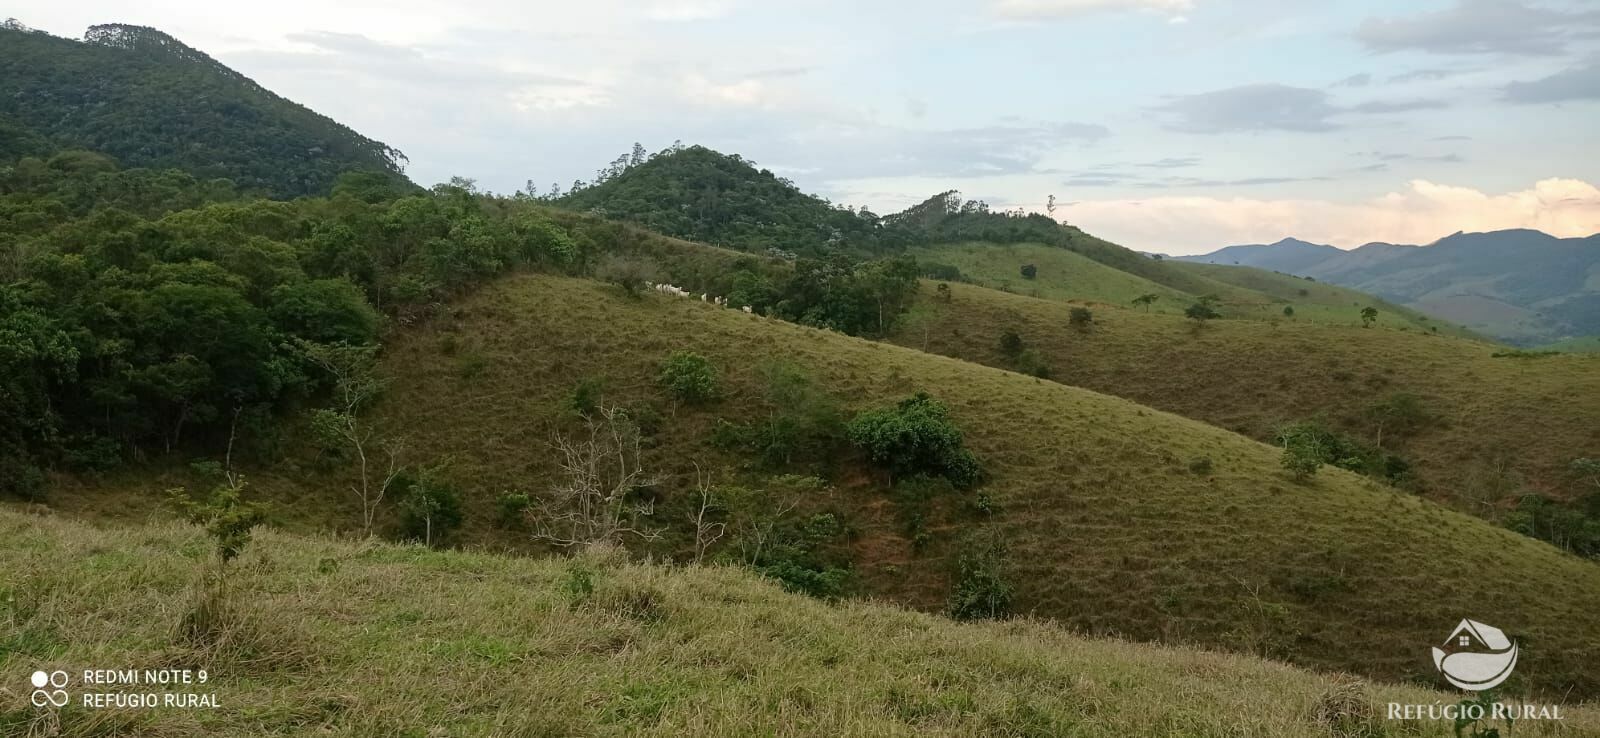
x=142, y=97
x=147, y=310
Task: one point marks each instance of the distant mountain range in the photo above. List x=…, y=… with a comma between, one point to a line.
x=1521, y=286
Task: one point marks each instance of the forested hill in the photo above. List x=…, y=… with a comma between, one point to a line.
x=148, y=100
x=702, y=195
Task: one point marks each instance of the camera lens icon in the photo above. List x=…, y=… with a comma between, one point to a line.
x=48, y=690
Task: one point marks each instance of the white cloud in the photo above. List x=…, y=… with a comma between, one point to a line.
x=1047, y=9
x=687, y=10
x=1422, y=213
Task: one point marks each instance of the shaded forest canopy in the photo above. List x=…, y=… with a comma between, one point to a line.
x=148, y=100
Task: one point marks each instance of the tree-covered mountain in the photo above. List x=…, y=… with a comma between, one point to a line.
x=1519, y=285
x=702, y=195
x=149, y=101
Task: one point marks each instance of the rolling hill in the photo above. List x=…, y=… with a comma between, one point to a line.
x=1113, y=523
x=1499, y=425
x=145, y=99
x=468, y=352
x=373, y=639
x=1518, y=285
x=1316, y=301
x=1244, y=293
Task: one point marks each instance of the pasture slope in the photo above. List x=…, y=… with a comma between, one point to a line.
x=1120, y=519
x=326, y=637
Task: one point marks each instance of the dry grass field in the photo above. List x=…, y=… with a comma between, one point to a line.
x=1500, y=425
x=322, y=637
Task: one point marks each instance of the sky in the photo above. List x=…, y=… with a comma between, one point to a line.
x=1175, y=126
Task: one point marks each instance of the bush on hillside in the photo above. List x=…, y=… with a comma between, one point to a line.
x=1080, y=318
x=689, y=377
x=1301, y=457
x=982, y=590
x=430, y=507
x=1011, y=344
x=1313, y=439
x=1029, y=271
x=1202, y=310
x=1033, y=364
x=916, y=436
x=586, y=396
x=628, y=272
x=803, y=421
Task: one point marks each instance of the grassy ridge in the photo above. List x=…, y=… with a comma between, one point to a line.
x=322, y=636
x=1062, y=275
x=1317, y=301
x=1110, y=529
x=1500, y=425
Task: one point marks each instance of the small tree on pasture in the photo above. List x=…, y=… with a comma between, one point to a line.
x=1080, y=318
x=355, y=386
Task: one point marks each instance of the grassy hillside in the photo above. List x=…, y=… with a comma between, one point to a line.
x=1588, y=345
x=1113, y=524
x=1500, y=425
x=1316, y=301
x=1062, y=274
x=319, y=636
x=147, y=100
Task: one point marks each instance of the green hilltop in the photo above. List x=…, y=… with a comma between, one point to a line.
x=145, y=99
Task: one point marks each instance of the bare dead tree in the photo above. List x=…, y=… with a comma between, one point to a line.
x=706, y=531
x=757, y=530
x=355, y=386
x=600, y=467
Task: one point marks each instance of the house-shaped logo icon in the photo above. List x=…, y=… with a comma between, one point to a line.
x=1479, y=656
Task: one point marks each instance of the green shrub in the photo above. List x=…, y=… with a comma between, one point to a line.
x=430, y=508
x=981, y=591
x=1317, y=440
x=1203, y=309
x=915, y=436
x=804, y=421
x=225, y=514
x=689, y=377
x=1029, y=271
x=628, y=272
x=512, y=508
x=794, y=556
x=1011, y=344
x=1081, y=318
x=1032, y=363
x=1302, y=454
x=586, y=396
